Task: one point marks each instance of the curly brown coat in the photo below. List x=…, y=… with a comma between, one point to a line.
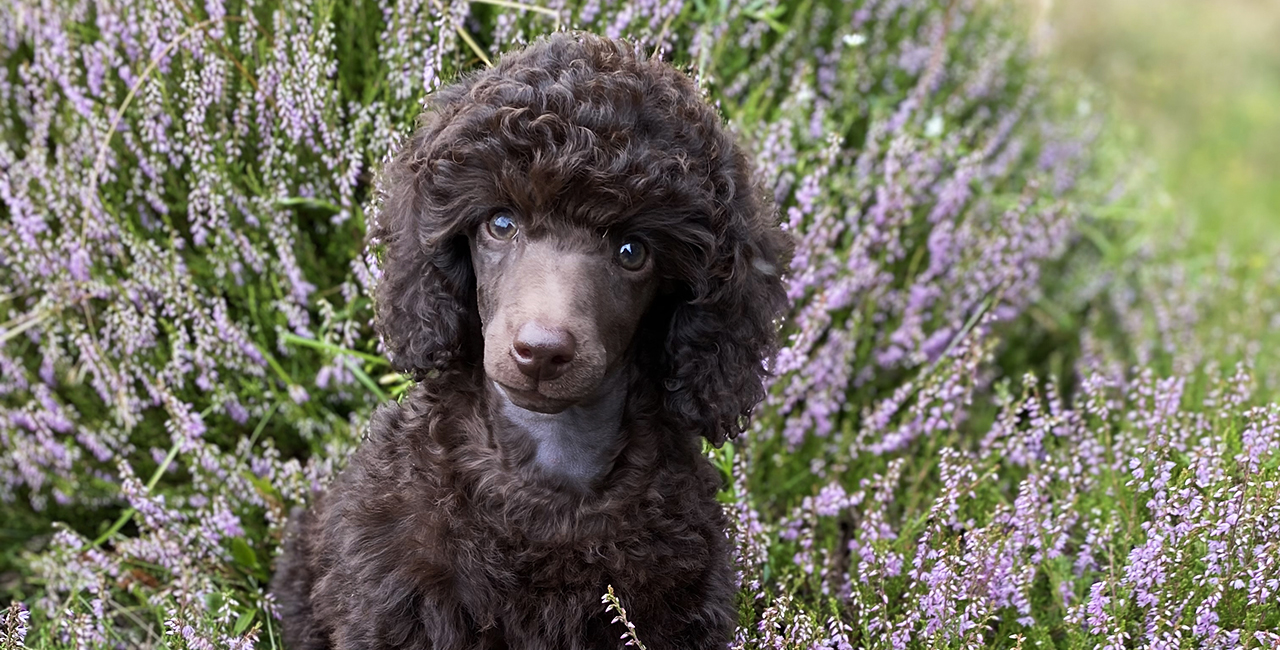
x=584, y=279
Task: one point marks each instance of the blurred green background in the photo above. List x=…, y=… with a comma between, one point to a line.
x=1198, y=82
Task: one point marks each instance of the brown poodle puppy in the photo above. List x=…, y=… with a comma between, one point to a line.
x=584, y=279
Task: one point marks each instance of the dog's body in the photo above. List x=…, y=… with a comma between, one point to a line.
x=421, y=545
x=581, y=277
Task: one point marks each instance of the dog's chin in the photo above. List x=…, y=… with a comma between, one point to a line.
x=532, y=400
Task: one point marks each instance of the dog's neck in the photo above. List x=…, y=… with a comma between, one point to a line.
x=577, y=446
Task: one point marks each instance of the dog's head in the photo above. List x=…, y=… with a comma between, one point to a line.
x=576, y=209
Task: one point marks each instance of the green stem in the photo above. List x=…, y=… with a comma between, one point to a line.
x=128, y=514
x=521, y=6
x=335, y=349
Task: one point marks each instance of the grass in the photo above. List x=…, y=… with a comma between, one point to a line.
x=1195, y=89
x=1199, y=82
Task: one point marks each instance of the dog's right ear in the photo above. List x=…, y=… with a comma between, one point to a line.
x=425, y=299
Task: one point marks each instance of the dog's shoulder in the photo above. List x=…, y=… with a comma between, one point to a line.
x=399, y=464
x=425, y=416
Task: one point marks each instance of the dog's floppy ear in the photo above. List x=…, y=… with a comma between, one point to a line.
x=425, y=300
x=721, y=339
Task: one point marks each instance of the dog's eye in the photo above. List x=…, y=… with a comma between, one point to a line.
x=632, y=255
x=502, y=226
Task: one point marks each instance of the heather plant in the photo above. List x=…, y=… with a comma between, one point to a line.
x=1135, y=516
x=186, y=350
x=15, y=620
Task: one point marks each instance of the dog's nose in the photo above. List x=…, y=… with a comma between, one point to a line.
x=543, y=353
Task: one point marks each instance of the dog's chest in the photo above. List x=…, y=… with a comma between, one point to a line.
x=542, y=544
x=580, y=461
x=577, y=447
x=527, y=576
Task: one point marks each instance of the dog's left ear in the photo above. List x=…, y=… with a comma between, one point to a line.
x=721, y=339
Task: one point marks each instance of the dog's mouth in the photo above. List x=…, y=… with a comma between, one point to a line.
x=532, y=400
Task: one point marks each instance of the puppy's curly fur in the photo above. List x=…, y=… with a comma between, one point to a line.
x=433, y=536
